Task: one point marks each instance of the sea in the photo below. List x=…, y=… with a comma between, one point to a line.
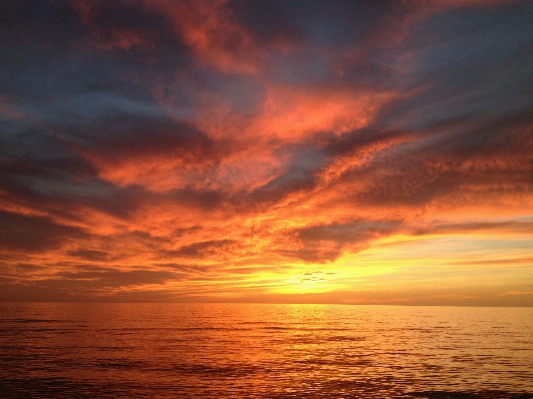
x=132, y=350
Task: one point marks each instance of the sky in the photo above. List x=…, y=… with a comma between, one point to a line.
x=358, y=152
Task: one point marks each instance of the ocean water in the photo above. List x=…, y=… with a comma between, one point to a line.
x=65, y=350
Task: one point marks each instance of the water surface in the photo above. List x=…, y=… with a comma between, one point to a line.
x=264, y=351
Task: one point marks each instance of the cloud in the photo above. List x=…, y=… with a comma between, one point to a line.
x=123, y=25
x=203, y=249
x=321, y=243
x=207, y=29
x=34, y=233
x=127, y=149
x=476, y=163
x=89, y=283
x=210, y=147
x=109, y=278
x=89, y=255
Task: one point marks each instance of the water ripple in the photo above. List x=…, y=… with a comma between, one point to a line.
x=264, y=351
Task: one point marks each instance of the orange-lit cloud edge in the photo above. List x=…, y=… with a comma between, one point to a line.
x=285, y=163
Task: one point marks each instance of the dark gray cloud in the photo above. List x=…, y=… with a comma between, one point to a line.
x=204, y=248
x=89, y=255
x=86, y=284
x=325, y=242
x=122, y=136
x=348, y=232
x=512, y=226
x=492, y=157
x=100, y=278
x=35, y=233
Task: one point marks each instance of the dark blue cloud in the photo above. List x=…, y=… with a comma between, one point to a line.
x=468, y=63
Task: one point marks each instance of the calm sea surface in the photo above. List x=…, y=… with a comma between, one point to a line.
x=264, y=351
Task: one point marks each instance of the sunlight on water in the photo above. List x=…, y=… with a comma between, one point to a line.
x=265, y=351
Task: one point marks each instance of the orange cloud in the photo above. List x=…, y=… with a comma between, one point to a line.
x=212, y=32
x=291, y=113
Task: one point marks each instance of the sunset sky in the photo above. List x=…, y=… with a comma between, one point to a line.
x=267, y=151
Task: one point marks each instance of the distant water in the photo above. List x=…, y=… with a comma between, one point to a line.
x=264, y=351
